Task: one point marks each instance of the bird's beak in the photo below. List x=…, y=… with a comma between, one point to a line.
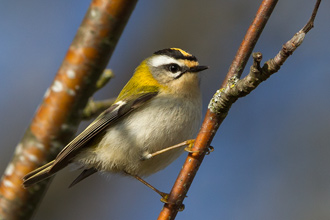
x=196, y=69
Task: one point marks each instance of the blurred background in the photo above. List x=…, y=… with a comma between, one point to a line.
x=271, y=158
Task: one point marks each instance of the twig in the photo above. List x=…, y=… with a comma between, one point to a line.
x=57, y=118
x=104, y=78
x=310, y=23
x=94, y=108
x=232, y=88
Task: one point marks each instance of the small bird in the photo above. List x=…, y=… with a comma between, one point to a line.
x=159, y=107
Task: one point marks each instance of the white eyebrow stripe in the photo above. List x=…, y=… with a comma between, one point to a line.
x=163, y=60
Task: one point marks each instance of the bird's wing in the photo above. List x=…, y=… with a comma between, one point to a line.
x=106, y=119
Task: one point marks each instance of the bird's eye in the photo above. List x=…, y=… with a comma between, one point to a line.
x=173, y=68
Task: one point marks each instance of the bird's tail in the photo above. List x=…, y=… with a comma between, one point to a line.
x=38, y=174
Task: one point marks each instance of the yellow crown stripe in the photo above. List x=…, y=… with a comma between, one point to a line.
x=184, y=53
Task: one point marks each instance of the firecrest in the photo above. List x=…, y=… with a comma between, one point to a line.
x=159, y=107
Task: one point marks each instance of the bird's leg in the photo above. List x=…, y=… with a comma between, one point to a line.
x=162, y=194
x=151, y=155
x=190, y=143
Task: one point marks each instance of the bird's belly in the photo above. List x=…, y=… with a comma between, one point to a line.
x=146, y=130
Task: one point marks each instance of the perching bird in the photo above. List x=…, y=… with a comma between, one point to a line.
x=159, y=107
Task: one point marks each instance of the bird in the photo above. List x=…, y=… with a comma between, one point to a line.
x=159, y=107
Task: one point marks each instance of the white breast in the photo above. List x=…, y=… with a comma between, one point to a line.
x=157, y=125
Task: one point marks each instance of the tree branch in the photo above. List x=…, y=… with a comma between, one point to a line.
x=231, y=89
x=59, y=114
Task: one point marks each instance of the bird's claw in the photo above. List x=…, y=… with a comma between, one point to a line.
x=164, y=199
x=189, y=149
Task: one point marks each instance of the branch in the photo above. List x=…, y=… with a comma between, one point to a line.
x=59, y=114
x=232, y=88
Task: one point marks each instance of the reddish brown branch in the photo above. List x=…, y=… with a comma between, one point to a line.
x=59, y=114
x=251, y=37
x=232, y=88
